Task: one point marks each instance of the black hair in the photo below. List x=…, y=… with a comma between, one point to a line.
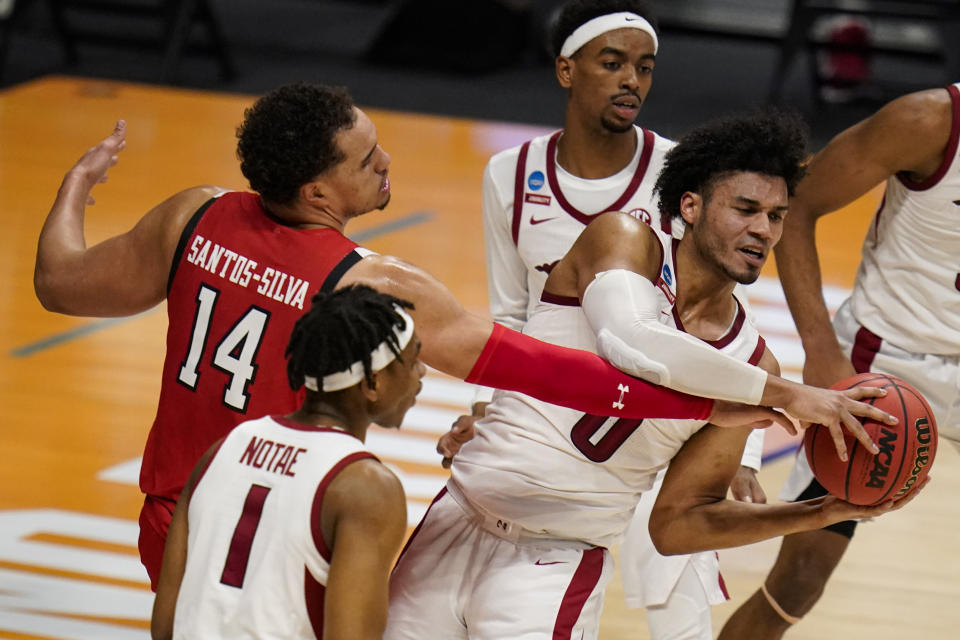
x=770, y=142
x=287, y=138
x=340, y=328
x=576, y=12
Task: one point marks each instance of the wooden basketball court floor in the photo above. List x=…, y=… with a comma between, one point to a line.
x=78, y=395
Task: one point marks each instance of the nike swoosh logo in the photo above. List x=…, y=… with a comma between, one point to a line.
x=535, y=221
x=544, y=564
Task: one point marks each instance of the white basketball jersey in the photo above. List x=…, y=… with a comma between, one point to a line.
x=908, y=286
x=557, y=472
x=539, y=194
x=257, y=563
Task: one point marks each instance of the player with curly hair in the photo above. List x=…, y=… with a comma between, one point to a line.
x=515, y=544
x=237, y=269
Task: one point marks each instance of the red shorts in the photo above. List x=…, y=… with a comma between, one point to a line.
x=155, y=519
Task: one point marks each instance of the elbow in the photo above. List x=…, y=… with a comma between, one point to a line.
x=43, y=287
x=667, y=539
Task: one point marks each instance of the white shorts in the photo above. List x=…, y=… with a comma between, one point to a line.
x=686, y=614
x=457, y=579
x=936, y=377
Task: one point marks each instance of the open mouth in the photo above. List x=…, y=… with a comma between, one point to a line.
x=626, y=105
x=754, y=255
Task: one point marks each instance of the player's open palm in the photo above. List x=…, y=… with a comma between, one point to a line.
x=92, y=167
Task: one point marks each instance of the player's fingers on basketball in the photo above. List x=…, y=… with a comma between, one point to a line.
x=836, y=433
x=869, y=411
x=855, y=427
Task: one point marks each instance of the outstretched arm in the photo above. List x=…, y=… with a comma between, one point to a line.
x=910, y=134
x=364, y=519
x=122, y=275
x=477, y=350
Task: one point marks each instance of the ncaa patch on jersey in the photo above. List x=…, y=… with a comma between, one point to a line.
x=535, y=180
x=667, y=276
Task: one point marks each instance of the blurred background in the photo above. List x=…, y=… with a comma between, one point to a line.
x=835, y=60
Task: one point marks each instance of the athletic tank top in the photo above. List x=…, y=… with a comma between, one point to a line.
x=907, y=289
x=238, y=282
x=257, y=563
x=561, y=473
x=550, y=207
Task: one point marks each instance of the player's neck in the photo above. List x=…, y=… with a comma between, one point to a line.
x=705, y=301
x=298, y=216
x=321, y=414
x=594, y=153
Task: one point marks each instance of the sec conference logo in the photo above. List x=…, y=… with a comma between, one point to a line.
x=535, y=180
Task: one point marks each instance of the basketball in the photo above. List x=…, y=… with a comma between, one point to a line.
x=907, y=449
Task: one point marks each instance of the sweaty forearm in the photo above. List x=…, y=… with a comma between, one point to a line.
x=729, y=523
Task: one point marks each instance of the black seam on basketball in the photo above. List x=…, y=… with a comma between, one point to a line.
x=861, y=383
x=903, y=449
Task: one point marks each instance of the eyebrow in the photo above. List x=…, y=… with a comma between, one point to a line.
x=756, y=203
x=622, y=53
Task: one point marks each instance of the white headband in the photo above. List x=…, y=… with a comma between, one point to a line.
x=379, y=358
x=602, y=24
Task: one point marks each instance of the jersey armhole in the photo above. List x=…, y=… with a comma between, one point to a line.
x=185, y=237
x=330, y=283
x=316, y=510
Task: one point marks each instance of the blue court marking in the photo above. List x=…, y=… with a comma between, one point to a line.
x=409, y=220
x=67, y=336
x=776, y=454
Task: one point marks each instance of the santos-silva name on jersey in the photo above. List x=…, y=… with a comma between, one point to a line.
x=241, y=270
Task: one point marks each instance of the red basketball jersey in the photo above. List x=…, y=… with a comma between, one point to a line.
x=238, y=282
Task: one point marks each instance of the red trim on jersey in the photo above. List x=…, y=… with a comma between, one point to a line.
x=866, y=344
x=564, y=301
x=413, y=535
x=720, y=581
x=518, y=191
x=631, y=189
x=758, y=352
x=209, y=460
x=948, y=155
x=314, y=594
x=729, y=336
x=584, y=581
x=317, y=507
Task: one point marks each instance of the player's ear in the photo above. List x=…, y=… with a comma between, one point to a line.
x=369, y=390
x=691, y=204
x=564, y=70
x=313, y=193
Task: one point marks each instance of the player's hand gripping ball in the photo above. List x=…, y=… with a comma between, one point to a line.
x=906, y=452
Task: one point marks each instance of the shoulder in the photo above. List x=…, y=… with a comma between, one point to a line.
x=923, y=111
x=617, y=224
x=365, y=486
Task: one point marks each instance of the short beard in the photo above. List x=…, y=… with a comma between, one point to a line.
x=615, y=128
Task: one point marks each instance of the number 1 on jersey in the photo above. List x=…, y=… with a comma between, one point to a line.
x=234, y=354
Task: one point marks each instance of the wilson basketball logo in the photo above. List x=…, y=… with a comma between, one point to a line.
x=924, y=436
